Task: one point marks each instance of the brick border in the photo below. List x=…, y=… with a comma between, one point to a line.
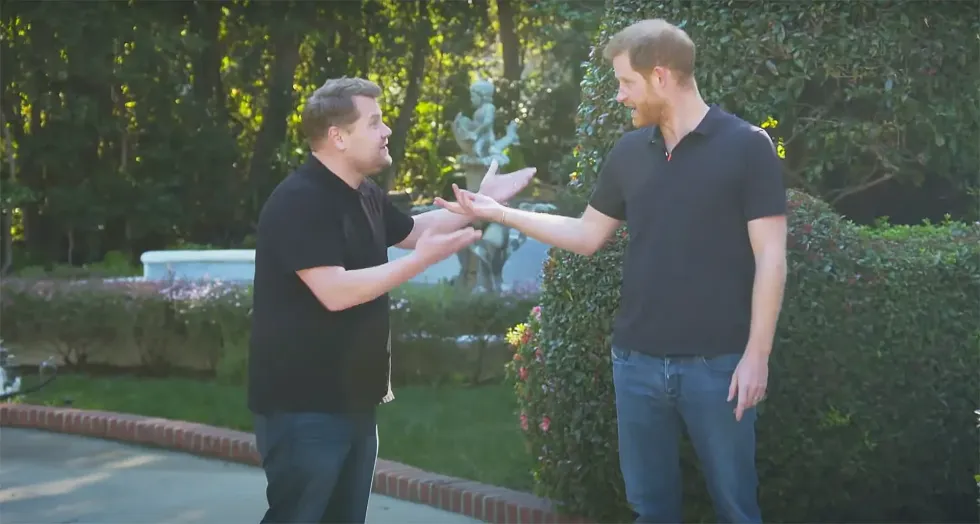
x=473, y=499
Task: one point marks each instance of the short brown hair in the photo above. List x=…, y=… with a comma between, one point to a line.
x=332, y=104
x=654, y=43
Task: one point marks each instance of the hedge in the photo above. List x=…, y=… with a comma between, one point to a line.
x=874, y=373
x=873, y=378
x=162, y=328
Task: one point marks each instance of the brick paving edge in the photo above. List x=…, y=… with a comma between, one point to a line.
x=472, y=499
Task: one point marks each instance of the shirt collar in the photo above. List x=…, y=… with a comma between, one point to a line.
x=326, y=178
x=708, y=125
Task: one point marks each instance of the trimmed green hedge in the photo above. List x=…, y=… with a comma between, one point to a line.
x=873, y=379
x=875, y=372
x=440, y=335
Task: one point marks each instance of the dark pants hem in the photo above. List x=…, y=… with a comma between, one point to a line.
x=319, y=466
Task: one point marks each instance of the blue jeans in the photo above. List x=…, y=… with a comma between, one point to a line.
x=319, y=466
x=655, y=398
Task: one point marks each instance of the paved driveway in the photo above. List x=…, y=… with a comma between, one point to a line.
x=56, y=478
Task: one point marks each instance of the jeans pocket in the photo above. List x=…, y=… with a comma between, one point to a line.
x=724, y=364
x=619, y=354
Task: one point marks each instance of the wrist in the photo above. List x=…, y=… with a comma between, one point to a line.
x=758, y=349
x=418, y=259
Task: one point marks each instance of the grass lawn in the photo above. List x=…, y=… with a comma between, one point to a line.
x=470, y=433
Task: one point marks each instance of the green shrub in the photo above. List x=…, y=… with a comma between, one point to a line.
x=872, y=378
x=874, y=369
x=447, y=335
x=161, y=328
x=854, y=93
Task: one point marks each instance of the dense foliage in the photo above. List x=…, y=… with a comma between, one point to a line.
x=873, y=378
x=859, y=96
x=439, y=334
x=170, y=125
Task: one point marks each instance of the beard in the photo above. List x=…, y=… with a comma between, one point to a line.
x=649, y=112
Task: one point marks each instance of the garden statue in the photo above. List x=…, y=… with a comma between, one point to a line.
x=482, y=264
x=476, y=138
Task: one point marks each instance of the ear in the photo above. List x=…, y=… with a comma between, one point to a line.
x=336, y=136
x=658, y=77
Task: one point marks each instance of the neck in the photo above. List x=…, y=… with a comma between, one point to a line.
x=683, y=115
x=340, y=168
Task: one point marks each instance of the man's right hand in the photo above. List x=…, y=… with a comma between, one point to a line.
x=433, y=246
x=474, y=205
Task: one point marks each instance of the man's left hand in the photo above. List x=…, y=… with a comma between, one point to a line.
x=503, y=187
x=749, y=381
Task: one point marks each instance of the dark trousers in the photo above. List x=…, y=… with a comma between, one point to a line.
x=319, y=466
x=656, y=399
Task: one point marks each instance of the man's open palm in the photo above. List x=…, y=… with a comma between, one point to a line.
x=503, y=187
x=471, y=204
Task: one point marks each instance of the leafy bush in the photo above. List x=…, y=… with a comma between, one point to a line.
x=434, y=323
x=873, y=377
x=860, y=93
x=874, y=369
x=165, y=327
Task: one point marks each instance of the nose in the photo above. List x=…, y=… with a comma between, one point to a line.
x=620, y=96
x=385, y=131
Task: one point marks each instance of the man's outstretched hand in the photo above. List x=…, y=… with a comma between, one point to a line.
x=474, y=205
x=503, y=187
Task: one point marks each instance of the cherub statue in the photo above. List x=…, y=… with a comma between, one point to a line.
x=475, y=136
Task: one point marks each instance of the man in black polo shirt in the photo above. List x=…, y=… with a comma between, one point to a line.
x=320, y=353
x=702, y=194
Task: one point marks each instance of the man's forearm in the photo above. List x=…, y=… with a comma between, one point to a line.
x=556, y=230
x=441, y=221
x=767, y=298
x=338, y=289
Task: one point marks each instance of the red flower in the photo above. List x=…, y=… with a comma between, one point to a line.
x=545, y=424
x=524, y=421
x=526, y=335
x=522, y=373
x=517, y=357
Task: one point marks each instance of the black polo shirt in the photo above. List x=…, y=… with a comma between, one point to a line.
x=689, y=268
x=304, y=357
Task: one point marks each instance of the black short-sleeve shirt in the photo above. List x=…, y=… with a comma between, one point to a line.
x=304, y=357
x=689, y=268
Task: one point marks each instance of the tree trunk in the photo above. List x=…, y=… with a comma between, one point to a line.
x=416, y=74
x=279, y=102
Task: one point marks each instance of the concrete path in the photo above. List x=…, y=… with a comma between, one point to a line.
x=56, y=478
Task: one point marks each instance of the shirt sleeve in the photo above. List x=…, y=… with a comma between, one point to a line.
x=303, y=232
x=607, y=197
x=763, y=189
x=398, y=225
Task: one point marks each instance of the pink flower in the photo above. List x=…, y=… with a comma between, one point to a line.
x=545, y=424
x=539, y=355
x=522, y=373
x=536, y=311
x=524, y=421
